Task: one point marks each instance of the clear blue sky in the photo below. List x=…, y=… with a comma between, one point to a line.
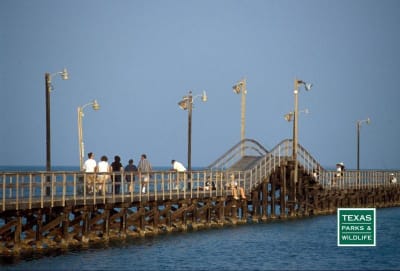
x=138, y=58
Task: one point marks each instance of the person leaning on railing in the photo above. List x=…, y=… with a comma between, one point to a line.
x=180, y=173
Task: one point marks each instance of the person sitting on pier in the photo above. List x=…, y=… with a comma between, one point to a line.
x=235, y=188
x=208, y=185
x=392, y=178
x=315, y=176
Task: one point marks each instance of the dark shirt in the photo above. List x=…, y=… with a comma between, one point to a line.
x=128, y=169
x=116, y=167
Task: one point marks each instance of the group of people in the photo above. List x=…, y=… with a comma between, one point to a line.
x=106, y=172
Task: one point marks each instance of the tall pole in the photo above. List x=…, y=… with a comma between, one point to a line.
x=95, y=106
x=190, y=107
x=47, y=78
x=358, y=145
x=80, y=138
x=243, y=117
x=295, y=116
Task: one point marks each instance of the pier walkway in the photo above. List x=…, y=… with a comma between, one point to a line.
x=46, y=210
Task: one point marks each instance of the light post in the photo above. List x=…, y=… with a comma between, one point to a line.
x=359, y=122
x=240, y=87
x=187, y=104
x=48, y=89
x=95, y=106
x=307, y=87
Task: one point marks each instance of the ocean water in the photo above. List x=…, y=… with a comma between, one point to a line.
x=298, y=244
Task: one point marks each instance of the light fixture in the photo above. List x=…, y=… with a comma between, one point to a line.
x=240, y=87
x=48, y=88
x=187, y=104
x=204, y=97
x=95, y=105
x=64, y=74
x=307, y=86
x=289, y=116
x=183, y=104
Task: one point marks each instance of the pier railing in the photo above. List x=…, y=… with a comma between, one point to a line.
x=282, y=154
x=26, y=190
x=278, y=156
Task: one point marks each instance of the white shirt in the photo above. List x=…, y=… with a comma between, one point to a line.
x=103, y=166
x=89, y=165
x=179, y=167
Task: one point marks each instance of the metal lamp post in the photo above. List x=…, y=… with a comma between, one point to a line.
x=187, y=104
x=48, y=89
x=95, y=106
x=359, y=122
x=307, y=87
x=240, y=87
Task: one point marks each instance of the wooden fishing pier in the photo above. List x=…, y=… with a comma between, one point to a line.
x=55, y=210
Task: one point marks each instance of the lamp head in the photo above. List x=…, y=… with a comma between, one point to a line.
x=368, y=121
x=64, y=74
x=204, y=97
x=95, y=105
x=183, y=104
x=307, y=86
x=289, y=116
x=236, y=89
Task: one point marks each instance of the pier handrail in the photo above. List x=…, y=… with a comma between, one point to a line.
x=27, y=190
x=236, y=151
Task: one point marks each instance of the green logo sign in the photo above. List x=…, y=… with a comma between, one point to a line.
x=356, y=227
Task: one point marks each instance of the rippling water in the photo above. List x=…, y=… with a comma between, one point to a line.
x=308, y=244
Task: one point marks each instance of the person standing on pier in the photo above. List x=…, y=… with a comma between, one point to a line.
x=117, y=169
x=90, y=167
x=180, y=173
x=103, y=167
x=130, y=172
x=144, y=168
